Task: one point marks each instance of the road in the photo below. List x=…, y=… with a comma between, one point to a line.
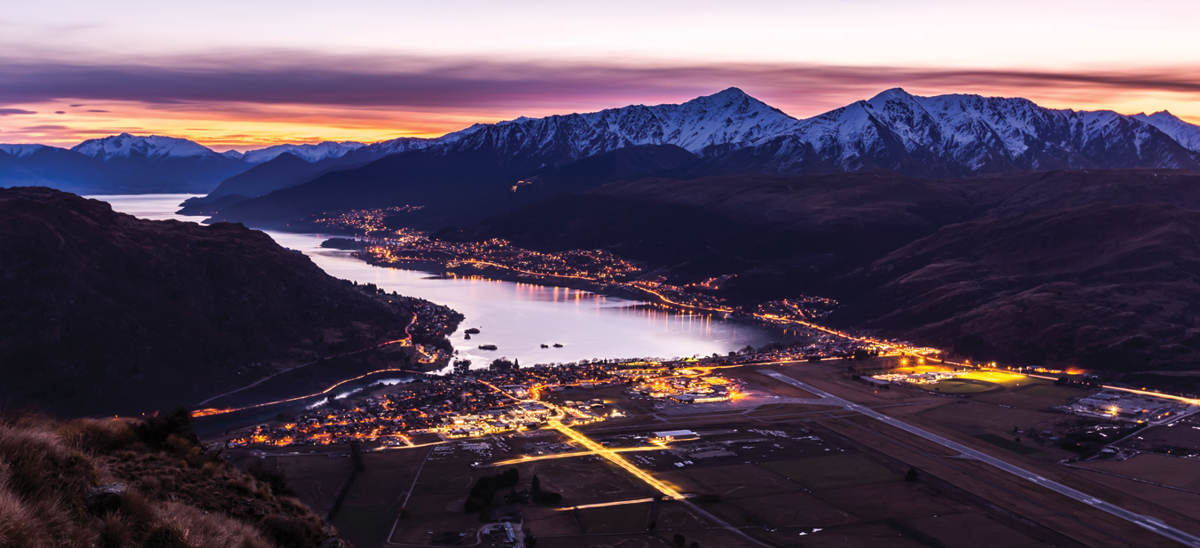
x=1150, y=523
x=621, y=462
x=406, y=339
x=210, y=412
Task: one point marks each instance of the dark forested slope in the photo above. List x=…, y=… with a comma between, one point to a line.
x=101, y=312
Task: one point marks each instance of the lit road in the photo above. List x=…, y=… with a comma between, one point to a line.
x=1151, y=393
x=607, y=504
x=405, y=341
x=528, y=458
x=209, y=412
x=595, y=448
x=1150, y=523
x=616, y=459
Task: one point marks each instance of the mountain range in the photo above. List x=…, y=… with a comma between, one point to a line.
x=464, y=176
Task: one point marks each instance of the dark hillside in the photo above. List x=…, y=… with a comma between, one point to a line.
x=103, y=313
x=783, y=234
x=1111, y=287
x=950, y=262
x=454, y=187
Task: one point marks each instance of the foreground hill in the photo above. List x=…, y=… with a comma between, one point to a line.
x=116, y=484
x=104, y=313
x=867, y=239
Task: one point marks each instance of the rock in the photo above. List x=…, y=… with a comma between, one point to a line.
x=105, y=498
x=332, y=540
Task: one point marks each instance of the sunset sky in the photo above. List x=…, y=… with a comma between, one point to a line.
x=249, y=74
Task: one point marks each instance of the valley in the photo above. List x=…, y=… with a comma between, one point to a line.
x=632, y=462
x=933, y=299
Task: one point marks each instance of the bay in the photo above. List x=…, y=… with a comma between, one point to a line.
x=515, y=317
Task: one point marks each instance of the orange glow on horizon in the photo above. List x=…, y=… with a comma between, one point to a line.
x=246, y=126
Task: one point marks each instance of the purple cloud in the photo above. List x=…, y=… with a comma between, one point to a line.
x=13, y=111
x=423, y=83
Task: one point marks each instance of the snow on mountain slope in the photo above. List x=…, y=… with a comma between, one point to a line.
x=1184, y=133
x=308, y=152
x=960, y=135
x=21, y=151
x=727, y=118
x=731, y=132
x=151, y=146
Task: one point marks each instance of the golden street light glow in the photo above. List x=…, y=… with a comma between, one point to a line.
x=616, y=459
x=597, y=449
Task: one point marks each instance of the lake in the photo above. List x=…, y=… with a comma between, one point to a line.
x=516, y=317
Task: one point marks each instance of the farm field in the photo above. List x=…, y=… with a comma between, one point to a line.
x=783, y=471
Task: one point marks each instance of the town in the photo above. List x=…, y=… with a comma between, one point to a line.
x=595, y=270
x=489, y=401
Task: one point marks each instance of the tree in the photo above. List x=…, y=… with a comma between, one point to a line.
x=356, y=456
x=535, y=486
x=694, y=544
x=530, y=542
x=679, y=540
x=912, y=475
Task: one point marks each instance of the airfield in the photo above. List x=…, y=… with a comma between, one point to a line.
x=807, y=456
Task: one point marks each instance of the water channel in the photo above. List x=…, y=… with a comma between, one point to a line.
x=516, y=317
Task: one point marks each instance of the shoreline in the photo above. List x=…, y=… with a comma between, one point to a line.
x=607, y=289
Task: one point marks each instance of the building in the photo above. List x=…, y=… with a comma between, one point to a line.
x=676, y=435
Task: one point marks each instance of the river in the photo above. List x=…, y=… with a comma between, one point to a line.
x=516, y=317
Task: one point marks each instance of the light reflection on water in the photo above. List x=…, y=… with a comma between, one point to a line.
x=517, y=317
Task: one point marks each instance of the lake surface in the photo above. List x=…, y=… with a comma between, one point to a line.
x=516, y=317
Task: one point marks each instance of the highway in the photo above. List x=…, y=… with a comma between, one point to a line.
x=613, y=456
x=406, y=340
x=1150, y=523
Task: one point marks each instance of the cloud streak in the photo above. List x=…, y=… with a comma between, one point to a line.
x=252, y=100
x=436, y=84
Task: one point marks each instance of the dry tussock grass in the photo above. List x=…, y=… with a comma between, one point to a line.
x=202, y=530
x=177, y=494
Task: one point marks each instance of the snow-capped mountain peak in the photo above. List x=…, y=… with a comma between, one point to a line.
x=1186, y=134
x=152, y=147
x=893, y=94
x=307, y=152
x=960, y=135
x=729, y=117
x=21, y=151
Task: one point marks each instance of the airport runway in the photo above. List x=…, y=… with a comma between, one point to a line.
x=1153, y=524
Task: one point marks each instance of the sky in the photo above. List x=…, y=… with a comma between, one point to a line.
x=244, y=74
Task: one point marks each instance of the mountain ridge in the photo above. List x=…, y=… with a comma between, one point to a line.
x=730, y=132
